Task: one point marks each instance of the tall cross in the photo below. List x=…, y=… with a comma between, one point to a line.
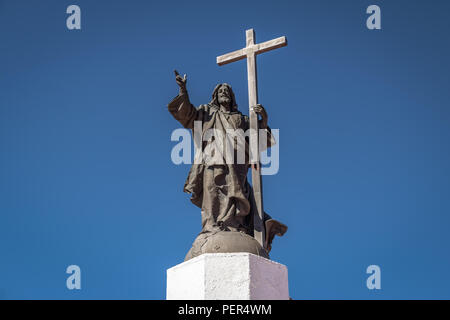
x=250, y=52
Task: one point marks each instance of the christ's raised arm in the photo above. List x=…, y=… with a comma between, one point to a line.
x=180, y=107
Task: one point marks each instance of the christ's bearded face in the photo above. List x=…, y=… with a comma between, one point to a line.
x=224, y=96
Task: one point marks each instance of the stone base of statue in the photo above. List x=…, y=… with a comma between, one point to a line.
x=228, y=276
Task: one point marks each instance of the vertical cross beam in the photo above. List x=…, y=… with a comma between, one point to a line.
x=258, y=219
x=250, y=51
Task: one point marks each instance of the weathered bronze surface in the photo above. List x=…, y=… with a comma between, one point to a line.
x=222, y=190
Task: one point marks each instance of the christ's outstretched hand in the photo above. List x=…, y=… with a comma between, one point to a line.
x=181, y=81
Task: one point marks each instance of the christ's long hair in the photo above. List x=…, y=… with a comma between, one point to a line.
x=215, y=99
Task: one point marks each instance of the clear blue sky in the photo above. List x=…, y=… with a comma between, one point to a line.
x=85, y=170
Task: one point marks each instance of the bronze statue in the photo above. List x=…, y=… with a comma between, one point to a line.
x=221, y=190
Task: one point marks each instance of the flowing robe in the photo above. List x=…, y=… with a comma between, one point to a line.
x=221, y=190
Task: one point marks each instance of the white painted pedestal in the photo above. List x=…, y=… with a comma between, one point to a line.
x=228, y=276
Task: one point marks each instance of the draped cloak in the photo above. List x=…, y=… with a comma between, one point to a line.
x=221, y=190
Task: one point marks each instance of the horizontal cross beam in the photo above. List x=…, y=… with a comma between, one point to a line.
x=252, y=48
